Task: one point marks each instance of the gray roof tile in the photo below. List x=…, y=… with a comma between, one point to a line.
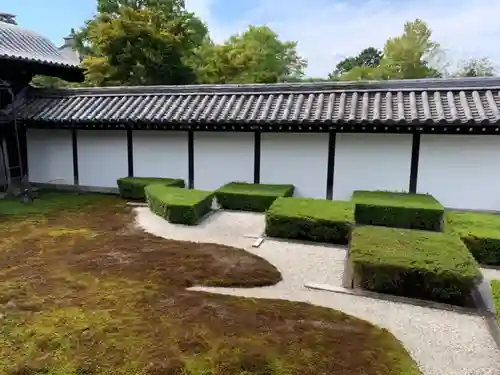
x=17, y=43
x=466, y=101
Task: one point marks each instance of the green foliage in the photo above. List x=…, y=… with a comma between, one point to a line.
x=50, y=82
x=178, y=205
x=479, y=231
x=251, y=197
x=409, y=55
x=418, y=264
x=399, y=210
x=48, y=202
x=310, y=219
x=255, y=56
x=133, y=187
x=140, y=43
x=368, y=58
x=495, y=292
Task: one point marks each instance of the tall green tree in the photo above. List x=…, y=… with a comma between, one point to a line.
x=255, y=56
x=409, y=55
x=140, y=43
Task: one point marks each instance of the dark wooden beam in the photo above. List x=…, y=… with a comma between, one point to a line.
x=256, y=157
x=330, y=169
x=130, y=153
x=190, y=159
x=74, y=141
x=415, y=156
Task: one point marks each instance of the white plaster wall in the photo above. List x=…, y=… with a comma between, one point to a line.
x=371, y=162
x=461, y=171
x=160, y=154
x=102, y=157
x=220, y=158
x=298, y=159
x=50, y=156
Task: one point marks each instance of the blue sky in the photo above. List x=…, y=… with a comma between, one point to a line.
x=326, y=30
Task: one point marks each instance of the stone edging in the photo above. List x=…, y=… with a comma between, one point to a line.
x=488, y=315
x=391, y=298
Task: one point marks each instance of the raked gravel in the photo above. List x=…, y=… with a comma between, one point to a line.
x=442, y=342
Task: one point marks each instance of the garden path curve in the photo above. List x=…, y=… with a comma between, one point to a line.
x=442, y=342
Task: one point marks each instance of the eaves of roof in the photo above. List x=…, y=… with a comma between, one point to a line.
x=19, y=44
x=410, y=102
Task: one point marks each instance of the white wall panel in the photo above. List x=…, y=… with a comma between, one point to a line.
x=298, y=159
x=461, y=171
x=50, y=156
x=220, y=158
x=371, y=162
x=102, y=157
x=160, y=154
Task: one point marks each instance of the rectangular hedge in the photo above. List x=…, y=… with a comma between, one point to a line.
x=479, y=231
x=133, y=187
x=398, y=210
x=419, y=264
x=318, y=220
x=244, y=196
x=178, y=205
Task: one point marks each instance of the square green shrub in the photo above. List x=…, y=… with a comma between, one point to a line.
x=133, y=187
x=495, y=292
x=398, y=210
x=244, y=196
x=318, y=220
x=418, y=264
x=480, y=233
x=178, y=205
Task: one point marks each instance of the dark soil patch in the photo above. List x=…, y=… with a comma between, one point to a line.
x=82, y=291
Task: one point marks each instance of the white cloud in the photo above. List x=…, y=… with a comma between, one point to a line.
x=329, y=30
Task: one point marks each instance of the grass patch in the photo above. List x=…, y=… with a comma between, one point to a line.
x=115, y=303
x=419, y=264
x=398, y=210
x=49, y=201
x=495, y=292
x=133, y=187
x=251, y=197
x=479, y=231
x=177, y=205
x=309, y=219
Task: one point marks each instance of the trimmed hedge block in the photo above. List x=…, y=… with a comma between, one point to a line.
x=398, y=210
x=178, y=205
x=133, y=187
x=318, y=220
x=417, y=264
x=244, y=196
x=479, y=231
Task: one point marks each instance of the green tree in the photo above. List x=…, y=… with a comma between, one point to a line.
x=254, y=56
x=476, y=68
x=368, y=58
x=140, y=43
x=406, y=56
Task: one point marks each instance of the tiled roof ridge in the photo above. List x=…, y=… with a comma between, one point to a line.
x=417, y=85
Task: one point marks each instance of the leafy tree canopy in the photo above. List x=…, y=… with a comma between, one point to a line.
x=254, y=56
x=140, y=43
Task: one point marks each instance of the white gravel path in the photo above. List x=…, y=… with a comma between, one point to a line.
x=491, y=273
x=442, y=342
